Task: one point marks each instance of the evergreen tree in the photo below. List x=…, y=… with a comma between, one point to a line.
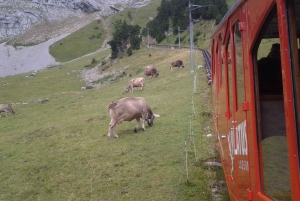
x=175, y=13
x=125, y=35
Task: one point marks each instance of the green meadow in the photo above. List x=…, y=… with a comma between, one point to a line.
x=56, y=147
x=84, y=41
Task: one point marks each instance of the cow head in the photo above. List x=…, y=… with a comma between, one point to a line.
x=151, y=117
x=126, y=90
x=156, y=74
x=150, y=120
x=10, y=109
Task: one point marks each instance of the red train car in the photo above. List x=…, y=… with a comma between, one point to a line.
x=256, y=99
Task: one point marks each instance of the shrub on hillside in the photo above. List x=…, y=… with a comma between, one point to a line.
x=93, y=61
x=129, y=51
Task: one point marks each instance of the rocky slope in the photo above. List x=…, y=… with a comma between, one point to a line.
x=34, y=21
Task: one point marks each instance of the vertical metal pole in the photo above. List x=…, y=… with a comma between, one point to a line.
x=186, y=162
x=179, y=37
x=148, y=36
x=191, y=40
x=195, y=80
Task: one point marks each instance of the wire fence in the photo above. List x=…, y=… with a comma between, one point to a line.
x=191, y=135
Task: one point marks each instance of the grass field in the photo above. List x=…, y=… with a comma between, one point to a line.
x=57, y=149
x=140, y=16
x=84, y=41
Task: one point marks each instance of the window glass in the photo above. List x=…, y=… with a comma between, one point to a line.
x=274, y=166
x=294, y=35
x=230, y=78
x=221, y=61
x=239, y=65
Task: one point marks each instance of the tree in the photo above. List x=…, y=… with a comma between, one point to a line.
x=125, y=35
x=129, y=51
x=175, y=13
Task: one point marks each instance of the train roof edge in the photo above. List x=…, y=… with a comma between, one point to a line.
x=232, y=8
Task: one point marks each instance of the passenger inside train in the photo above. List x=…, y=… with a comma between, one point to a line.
x=269, y=73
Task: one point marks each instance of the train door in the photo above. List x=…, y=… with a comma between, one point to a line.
x=223, y=114
x=289, y=32
x=237, y=123
x=277, y=102
x=231, y=139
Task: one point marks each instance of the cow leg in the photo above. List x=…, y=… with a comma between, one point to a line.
x=111, y=129
x=143, y=124
x=138, y=122
x=131, y=89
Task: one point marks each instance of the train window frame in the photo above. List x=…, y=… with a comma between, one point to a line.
x=239, y=68
x=220, y=60
x=236, y=86
x=229, y=79
x=217, y=80
x=270, y=133
x=294, y=34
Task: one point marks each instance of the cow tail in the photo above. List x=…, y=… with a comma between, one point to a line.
x=111, y=105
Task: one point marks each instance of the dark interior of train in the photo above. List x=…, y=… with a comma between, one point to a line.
x=270, y=102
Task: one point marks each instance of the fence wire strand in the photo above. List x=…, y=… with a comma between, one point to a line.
x=192, y=140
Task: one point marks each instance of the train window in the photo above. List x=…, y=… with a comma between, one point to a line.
x=294, y=35
x=229, y=79
x=221, y=61
x=275, y=182
x=217, y=72
x=239, y=65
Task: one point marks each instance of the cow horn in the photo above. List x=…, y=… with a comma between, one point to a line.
x=156, y=115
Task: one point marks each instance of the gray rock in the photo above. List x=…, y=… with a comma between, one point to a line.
x=18, y=16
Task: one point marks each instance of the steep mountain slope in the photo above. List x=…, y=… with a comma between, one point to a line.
x=50, y=18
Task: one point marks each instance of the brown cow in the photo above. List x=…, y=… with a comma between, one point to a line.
x=151, y=70
x=177, y=63
x=135, y=82
x=6, y=108
x=127, y=109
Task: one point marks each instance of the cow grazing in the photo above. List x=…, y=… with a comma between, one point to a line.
x=127, y=109
x=6, y=108
x=177, y=63
x=151, y=70
x=136, y=82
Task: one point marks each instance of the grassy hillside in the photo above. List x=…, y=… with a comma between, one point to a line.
x=56, y=148
x=84, y=41
x=202, y=32
x=230, y=3
x=138, y=16
x=91, y=37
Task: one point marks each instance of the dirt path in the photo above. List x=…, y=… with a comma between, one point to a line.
x=91, y=75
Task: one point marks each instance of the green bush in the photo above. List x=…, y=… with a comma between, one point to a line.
x=129, y=51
